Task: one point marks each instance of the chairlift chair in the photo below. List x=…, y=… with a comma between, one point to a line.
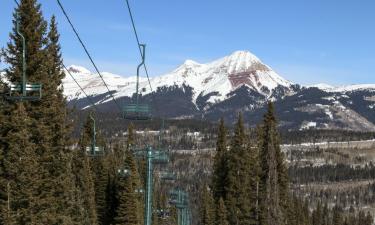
x=167, y=176
x=24, y=91
x=93, y=150
x=137, y=110
x=160, y=157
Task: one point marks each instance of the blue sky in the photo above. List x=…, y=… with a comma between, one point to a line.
x=305, y=41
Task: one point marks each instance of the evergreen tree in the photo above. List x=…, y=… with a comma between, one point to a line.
x=238, y=186
x=221, y=214
x=85, y=190
x=207, y=214
x=48, y=130
x=127, y=188
x=127, y=211
x=219, y=174
x=254, y=170
x=19, y=167
x=273, y=179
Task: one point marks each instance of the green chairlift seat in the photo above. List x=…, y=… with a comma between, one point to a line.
x=160, y=157
x=33, y=92
x=167, y=176
x=137, y=110
x=94, y=151
x=24, y=91
x=180, y=200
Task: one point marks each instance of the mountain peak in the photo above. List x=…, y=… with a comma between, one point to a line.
x=243, y=55
x=78, y=70
x=190, y=62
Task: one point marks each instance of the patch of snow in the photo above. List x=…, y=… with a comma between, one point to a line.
x=321, y=86
x=329, y=98
x=307, y=125
x=345, y=88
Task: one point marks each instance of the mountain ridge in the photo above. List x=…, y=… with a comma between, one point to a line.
x=239, y=82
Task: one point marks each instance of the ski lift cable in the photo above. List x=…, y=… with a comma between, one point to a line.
x=140, y=51
x=139, y=44
x=87, y=52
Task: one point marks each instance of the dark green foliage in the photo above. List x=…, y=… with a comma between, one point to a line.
x=19, y=169
x=238, y=187
x=221, y=214
x=84, y=179
x=220, y=170
x=273, y=184
x=126, y=212
x=48, y=131
x=128, y=208
x=207, y=210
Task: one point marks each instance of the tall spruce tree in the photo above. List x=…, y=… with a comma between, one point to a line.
x=221, y=213
x=207, y=210
x=220, y=170
x=273, y=181
x=85, y=187
x=19, y=167
x=48, y=131
x=238, y=186
x=254, y=170
x=127, y=211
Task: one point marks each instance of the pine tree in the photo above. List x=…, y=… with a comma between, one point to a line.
x=207, y=214
x=19, y=169
x=85, y=188
x=55, y=158
x=127, y=211
x=254, y=170
x=48, y=130
x=238, y=188
x=219, y=176
x=273, y=178
x=221, y=213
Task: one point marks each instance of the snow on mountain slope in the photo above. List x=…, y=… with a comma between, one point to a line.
x=221, y=76
x=345, y=88
x=93, y=84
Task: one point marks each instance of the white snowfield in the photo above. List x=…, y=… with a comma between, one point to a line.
x=223, y=76
x=345, y=88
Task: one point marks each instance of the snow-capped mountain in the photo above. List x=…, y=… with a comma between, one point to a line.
x=236, y=83
x=221, y=76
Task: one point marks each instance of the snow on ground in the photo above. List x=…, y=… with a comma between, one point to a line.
x=307, y=125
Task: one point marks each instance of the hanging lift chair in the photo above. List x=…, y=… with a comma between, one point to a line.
x=24, y=91
x=138, y=111
x=93, y=150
